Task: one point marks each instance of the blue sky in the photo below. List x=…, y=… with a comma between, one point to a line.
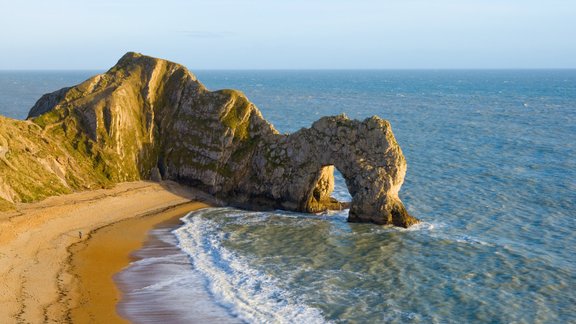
x=290, y=34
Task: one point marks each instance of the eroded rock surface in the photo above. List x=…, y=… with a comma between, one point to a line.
x=148, y=118
x=295, y=171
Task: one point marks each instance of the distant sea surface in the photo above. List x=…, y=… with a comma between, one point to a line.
x=491, y=174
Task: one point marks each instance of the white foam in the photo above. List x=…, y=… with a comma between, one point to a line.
x=164, y=275
x=157, y=286
x=250, y=294
x=437, y=230
x=153, y=260
x=423, y=226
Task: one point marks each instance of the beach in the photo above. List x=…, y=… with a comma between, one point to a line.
x=51, y=268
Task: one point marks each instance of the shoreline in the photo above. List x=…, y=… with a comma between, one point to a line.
x=162, y=272
x=36, y=240
x=94, y=262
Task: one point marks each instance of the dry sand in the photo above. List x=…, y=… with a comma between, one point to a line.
x=37, y=239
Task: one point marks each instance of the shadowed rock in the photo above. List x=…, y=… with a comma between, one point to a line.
x=148, y=118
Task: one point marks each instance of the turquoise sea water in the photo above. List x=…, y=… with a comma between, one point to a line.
x=491, y=174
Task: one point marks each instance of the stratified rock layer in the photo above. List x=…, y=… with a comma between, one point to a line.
x=148, y=118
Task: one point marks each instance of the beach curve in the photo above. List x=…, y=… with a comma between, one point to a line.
x=35, y=241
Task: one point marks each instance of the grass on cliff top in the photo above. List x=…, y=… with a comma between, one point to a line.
x=34, y=155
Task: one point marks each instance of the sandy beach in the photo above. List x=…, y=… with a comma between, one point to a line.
x=50, y=274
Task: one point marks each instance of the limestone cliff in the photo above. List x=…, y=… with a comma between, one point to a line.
x=150, y=118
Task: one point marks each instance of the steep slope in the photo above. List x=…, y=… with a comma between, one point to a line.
x=34, y=166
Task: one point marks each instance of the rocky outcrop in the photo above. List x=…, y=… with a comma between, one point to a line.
x=295, y=172
x=148, y=118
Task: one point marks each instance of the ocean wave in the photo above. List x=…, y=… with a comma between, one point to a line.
x=248, y=293
x=422, y=226
x=162, y=284
x=161, y=235
x=468, y=239
x=154, y=260
x=444, y=232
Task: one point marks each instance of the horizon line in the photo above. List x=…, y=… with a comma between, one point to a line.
x=314, y=69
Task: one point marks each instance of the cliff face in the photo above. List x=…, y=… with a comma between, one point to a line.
x=150, y=118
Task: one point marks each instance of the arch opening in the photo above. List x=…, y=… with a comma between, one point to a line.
x=328, y=191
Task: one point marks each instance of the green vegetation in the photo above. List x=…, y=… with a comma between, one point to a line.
x=49, y=118
x=238, y=117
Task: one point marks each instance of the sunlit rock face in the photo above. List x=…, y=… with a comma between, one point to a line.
x=295, y=171
x=148, y=118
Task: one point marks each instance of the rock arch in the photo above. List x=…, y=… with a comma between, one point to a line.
x=295, y=171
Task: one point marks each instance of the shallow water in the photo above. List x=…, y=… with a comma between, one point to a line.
x=491, y=173
x=282, y=267
x=158, y=285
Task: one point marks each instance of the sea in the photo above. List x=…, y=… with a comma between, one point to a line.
x=491, y=174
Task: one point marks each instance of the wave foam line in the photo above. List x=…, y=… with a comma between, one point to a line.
x=250, y=294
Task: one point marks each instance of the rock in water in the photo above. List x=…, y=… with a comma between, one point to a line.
x=150, y=118
x=295, y=172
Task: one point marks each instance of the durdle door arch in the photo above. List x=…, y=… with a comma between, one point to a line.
x=367, y=155
x=148, y=118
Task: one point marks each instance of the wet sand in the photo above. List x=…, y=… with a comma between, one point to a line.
x=36, y=239
x=163, y=273
x=94, y=263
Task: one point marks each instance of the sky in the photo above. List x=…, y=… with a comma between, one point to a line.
x=290, y=34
